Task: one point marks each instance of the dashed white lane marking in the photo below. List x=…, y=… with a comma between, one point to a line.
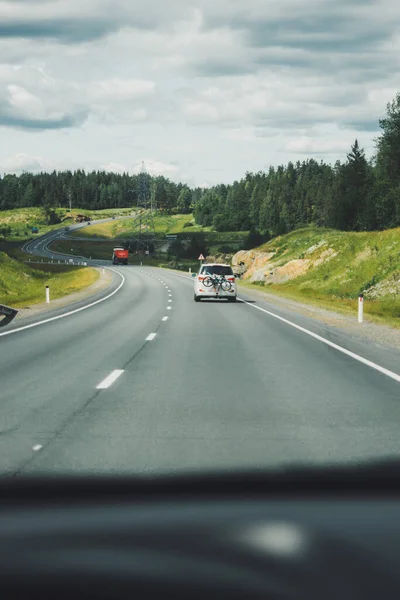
x=357, y=357
x=168, y=307
x=165, y=318
x=169, y=300
x=110, y=379
x=150, y=337
x=37, y=447
x=170, y=295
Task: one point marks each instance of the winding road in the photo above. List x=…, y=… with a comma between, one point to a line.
x=141, y=380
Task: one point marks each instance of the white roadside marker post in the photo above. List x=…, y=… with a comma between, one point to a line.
x=361, y=308
x=47, y=294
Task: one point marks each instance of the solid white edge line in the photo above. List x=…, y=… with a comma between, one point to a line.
x=357, y=357
x=353, y=355
x=109, y=380
x=71, y=312
x=165, y=318
x=150, y=337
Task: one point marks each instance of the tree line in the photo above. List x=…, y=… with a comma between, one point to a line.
x=95, y=190
x=355, y=195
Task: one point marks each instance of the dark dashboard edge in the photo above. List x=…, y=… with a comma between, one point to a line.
x=367, y=478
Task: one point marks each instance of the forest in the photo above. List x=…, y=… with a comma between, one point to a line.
x=354, y=195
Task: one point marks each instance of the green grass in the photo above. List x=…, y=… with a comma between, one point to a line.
x=362, y=260
x=22, y=285
x=97, y=250
x=386, y=311
x=163, y=225
x=21, y=220
x=217, y=242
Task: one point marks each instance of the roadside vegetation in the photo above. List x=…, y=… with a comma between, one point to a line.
x=17, y=224
x=350, y=209
x=331, y=268
x=163, y=225
x=22, y=285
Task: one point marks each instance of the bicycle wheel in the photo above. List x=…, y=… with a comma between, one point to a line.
x=226, y=285
x=208, y=282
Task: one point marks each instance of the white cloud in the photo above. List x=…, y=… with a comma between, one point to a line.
x=154, y=167
x=307, y=145
x=22, y=162
x=113, y=167
x=120, y=89
x=211, y=89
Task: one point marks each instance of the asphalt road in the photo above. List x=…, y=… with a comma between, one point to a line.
x=204, y=385
x=40, y=246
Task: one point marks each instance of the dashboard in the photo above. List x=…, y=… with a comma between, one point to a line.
x=286, y=534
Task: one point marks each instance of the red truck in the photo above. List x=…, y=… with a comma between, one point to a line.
x=120, y=256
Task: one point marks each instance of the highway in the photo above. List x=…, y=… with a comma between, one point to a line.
x=148, y=381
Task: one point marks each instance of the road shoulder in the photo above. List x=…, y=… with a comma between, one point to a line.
x=376, y=333
x=105, y=284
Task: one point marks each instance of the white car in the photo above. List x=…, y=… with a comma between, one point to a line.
x=215, y=280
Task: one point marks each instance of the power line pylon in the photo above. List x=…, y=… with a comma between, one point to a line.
x=144, y=233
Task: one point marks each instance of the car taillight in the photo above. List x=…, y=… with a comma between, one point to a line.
x=231, y=279
x=200, y=279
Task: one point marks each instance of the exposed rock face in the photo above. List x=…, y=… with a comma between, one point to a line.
x=324, y=256
x=291, y=270
x=252, y=264
x=258, y=266
x=389, y=287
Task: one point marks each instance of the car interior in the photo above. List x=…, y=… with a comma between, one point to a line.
x=289, y=533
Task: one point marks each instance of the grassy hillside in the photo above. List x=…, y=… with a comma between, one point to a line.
x=163, y=224
x=17, y=224
x=97, y=250
x=335, y=267
x=22, y=285
x=182, y=225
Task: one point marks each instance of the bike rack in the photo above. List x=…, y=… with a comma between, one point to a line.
x=8, y=314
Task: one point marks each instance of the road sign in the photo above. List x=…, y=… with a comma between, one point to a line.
x=201, y=257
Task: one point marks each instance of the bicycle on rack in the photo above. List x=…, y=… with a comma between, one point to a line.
x=218, y=282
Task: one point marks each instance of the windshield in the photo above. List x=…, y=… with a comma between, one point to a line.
x=147, y=143
x=217, y=270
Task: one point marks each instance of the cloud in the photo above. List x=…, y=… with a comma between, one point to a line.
x=230, y=84
x=123, y=89
x=154, y=167
x=72, y=22
x=113, y=167
x=63, y=122
x=307, y=146
x=32, y=99
x=22, y=162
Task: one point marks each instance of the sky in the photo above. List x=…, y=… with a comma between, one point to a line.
x=200, y=91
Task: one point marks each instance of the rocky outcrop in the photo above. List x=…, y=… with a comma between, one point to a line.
x=389, y=287
x=259, y=266
x=291, y=270
x=251, y=264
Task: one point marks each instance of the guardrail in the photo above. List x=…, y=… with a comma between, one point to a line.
x=8, y=314
x=71, y=261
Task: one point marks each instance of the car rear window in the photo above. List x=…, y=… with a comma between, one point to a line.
x=217, y=270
